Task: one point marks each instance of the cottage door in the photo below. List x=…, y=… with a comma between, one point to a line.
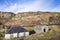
x=24, y=34
x=18, y=35
x=11, y=36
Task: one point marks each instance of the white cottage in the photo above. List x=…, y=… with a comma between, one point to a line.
x=15, y=32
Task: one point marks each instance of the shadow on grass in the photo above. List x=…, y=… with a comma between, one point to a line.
x=32, y=32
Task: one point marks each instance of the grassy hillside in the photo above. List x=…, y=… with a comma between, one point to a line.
x=5, y=16
x=54, y=34
x=30, y=19
x=35, y=18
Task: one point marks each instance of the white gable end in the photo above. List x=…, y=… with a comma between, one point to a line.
x=7, y=36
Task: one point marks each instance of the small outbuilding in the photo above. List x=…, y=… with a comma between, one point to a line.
x=41, y=28
x=15, y=32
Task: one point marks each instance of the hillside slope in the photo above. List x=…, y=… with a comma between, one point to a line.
x=5, y=17
x=35, y=18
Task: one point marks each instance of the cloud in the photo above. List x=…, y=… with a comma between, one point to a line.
x=23, y=7
x=56, y=9
x=37, y=5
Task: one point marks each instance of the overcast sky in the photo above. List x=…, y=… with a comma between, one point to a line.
x=29, y=5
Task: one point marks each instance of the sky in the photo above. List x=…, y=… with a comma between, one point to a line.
x=29, y=5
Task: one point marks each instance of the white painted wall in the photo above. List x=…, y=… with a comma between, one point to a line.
x=21, y=34
x=14, y=35
x=26, y=33
x=7, y=36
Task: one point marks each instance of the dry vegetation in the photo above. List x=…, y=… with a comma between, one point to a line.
x=35, y=19
x=51, y=35
x=30, y=19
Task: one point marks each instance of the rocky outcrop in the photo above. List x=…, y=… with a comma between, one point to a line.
x=35, y=18
x=6, y=16
x=30, y=18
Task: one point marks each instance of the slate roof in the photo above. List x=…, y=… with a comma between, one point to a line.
x=16, y=29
